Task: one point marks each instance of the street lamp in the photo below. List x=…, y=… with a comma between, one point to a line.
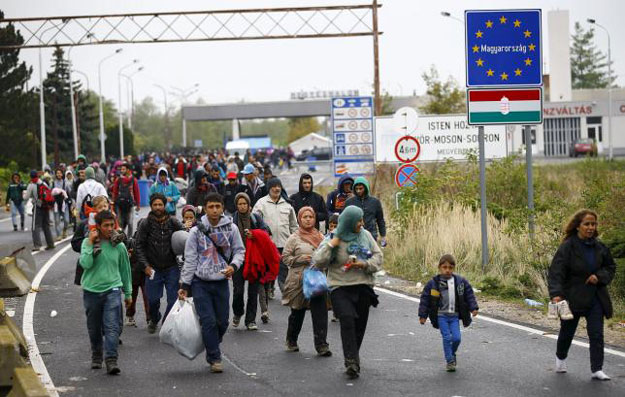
x=448, y=15
x=131, y=95
x=610, y=150
x=102, y=154
x=119, y=110
x=183, y=94
x=72, y=105
x=42, y=109
x=83, y=74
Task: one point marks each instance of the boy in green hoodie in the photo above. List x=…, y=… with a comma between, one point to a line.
x=104, y=278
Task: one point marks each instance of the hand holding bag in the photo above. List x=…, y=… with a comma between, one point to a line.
x=314, y=282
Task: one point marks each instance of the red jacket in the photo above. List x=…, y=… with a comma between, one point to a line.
x=262, y=259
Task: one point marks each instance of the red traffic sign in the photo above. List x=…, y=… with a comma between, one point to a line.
x=407, y=149
x=406, y=175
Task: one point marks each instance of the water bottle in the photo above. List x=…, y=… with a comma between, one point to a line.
x=532, y=303
x=91, y=221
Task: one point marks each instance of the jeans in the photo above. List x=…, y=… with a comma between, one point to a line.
x=319, y=314
x=61, y=217
x=41, y=221
x=450, y=331
x=594, y=324
x=238, y=288
x=211, y=299
x=15, y=208
x=126, y=216
x=103, y=320
x=167, y=278
x=351, y=306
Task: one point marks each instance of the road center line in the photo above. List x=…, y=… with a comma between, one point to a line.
x=507, y=324
x=28, y=330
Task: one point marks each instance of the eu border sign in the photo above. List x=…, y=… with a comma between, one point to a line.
x=503, y=48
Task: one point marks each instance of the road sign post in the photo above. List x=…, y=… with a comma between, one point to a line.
x=352, y=126
x=407, y=149
x=406, y=175
x=504, y=80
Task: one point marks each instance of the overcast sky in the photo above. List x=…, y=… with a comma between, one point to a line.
x=415, y=37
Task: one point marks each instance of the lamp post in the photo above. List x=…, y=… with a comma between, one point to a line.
x=131, y=97
x=183, y=94
x=119, y=108
x=610, y=148
x=84, y=75
x=42, y=108
x=102, y=153
x=448, y=15
x=72, y=105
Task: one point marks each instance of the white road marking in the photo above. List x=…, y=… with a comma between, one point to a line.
x=507, y=324
x=57, y=243
x=250, y=374
x=28, y=330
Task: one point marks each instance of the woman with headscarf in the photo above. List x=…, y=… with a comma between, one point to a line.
x=246, y=221
x=297, y=255
x=352, y=257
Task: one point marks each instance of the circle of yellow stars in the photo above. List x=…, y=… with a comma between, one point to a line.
x=502, y=21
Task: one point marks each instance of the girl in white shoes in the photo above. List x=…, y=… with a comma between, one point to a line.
x=580, y=273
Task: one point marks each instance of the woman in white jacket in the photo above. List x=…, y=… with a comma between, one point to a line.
x=280, y=216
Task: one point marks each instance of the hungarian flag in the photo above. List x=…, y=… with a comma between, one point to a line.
x=505, y=106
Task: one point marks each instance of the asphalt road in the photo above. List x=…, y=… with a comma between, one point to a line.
x=399, y=356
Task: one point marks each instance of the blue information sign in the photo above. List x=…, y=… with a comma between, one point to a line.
x=352, y=130
x=503, y=48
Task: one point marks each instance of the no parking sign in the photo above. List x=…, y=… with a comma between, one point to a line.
x=406, y=175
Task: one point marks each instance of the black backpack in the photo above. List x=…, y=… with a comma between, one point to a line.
x=124, y=195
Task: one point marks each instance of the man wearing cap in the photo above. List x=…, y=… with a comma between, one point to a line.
x=231, y=189
x=254, y=182
x=280, y=217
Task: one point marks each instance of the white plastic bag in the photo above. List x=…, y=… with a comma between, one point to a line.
x=29, y=208
x=187, y=333
x=166, y=333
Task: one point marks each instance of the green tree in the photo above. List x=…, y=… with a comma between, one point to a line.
x=18, y=106
x=302, y=126
x=443, y=97
x=589, y=67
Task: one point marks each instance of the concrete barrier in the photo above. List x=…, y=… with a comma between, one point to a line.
x=26, y=384
x=9, y=356
x=13, y=281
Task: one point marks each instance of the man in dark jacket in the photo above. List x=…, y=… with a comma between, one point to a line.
x=307, y=198
x=337, y=198
x=196, y=196
x=157, y=259
x=371, y=206
x=15, y=200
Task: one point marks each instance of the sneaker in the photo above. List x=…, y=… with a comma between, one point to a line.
x=564, y=311
x=324, y=351
x=152, y=327
x=451, y=367
x=271, y=294
x=292, y=347
x=111, y=366
x=265, y=317
x=252, y=327
x=96, y=362
x=130, y=322
x=352, y=371
x=216, y=367
x=15, y=228
x=35, y=249
x=560, y=366
x=49, y=247
x=236, y=320
x=600, y=375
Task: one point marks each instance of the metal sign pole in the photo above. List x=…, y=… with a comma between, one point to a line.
x=483, y=214
x=530, y=177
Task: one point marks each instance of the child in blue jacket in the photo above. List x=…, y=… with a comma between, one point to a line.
x=446, y=309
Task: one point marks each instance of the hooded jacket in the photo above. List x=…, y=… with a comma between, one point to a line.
x=89, y=187
x=168, y=189
x=202, y=259
x=279, y=216
x=197, y=197
x=371, y=206
x=153, y=242
x=310, y=199
x=336, y=198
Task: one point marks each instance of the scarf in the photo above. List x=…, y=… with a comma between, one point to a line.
x=348, y=219
x=244, y=221
x=311, y=235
